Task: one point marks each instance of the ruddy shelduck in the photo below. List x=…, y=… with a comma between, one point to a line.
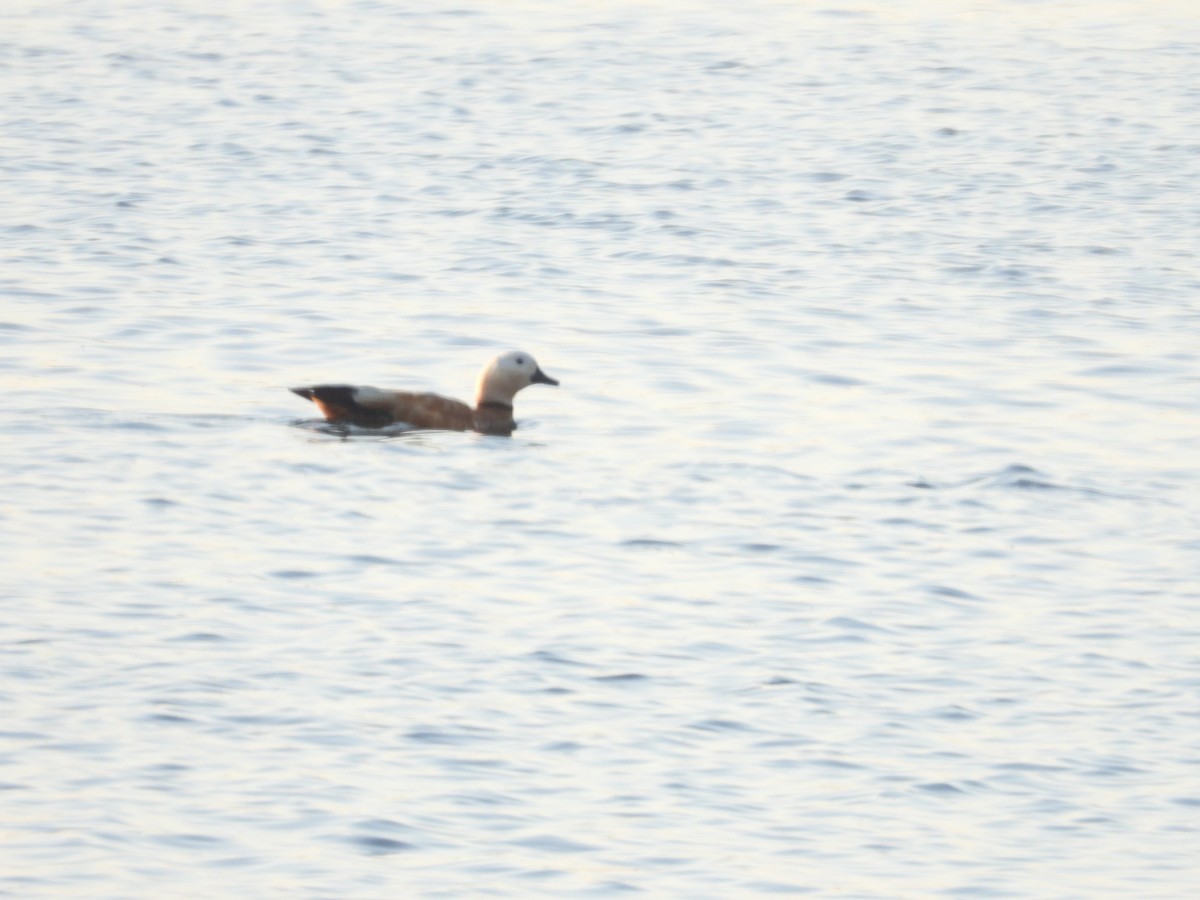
x=369, y=407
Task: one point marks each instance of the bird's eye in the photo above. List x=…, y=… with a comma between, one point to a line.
x=520, y=360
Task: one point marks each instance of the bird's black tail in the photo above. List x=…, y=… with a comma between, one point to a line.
x=338, y=403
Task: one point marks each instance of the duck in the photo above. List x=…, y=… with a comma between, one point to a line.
x=369, y=407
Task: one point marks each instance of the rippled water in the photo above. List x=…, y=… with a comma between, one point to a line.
x=856, y=556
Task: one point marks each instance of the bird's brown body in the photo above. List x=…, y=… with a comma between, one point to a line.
x=373, y=408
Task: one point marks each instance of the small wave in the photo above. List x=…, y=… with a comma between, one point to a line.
x=651, y=544
x=552, y=843
x=398, y=431
x=379, y=846
x=1019, y=477
x=940, y=787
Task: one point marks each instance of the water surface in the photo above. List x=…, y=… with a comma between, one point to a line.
x=856, y=555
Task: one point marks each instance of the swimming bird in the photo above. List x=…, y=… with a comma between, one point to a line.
x=370, y=407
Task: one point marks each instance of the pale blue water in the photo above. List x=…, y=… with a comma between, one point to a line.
x=857, y=555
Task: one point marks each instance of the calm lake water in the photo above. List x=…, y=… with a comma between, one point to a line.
x=857, y=556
